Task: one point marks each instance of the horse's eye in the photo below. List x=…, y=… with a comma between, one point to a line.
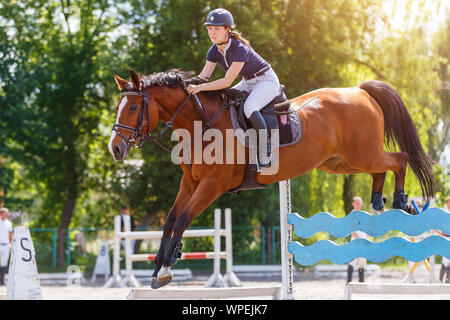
x=133, y=107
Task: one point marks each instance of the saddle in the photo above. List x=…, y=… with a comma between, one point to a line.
x=279, y=115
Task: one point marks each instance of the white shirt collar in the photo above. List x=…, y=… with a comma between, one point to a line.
x=225, y=51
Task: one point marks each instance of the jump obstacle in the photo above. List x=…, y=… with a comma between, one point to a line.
x=228, y=291
x=433, y=218
x=412, y=225
x=216, y=279
x=284, y=291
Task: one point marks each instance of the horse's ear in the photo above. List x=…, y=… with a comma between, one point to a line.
x=120, y=82
x=135, y=80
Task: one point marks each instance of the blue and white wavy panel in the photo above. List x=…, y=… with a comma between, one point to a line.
x=375, y=252
x=413, y=225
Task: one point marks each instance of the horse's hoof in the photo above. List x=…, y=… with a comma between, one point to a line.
x=161, y=281
x=377, y=203
x=376, y=212
x=400, y=201
x=163, y=278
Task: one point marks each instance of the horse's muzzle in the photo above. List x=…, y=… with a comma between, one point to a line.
x=119, y=152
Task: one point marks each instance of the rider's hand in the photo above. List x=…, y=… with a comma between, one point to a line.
x=192, y=89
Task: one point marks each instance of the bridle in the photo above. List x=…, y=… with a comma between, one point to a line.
x=135, y=135
x=140, y=139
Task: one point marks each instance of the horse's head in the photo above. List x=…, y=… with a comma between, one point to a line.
x=137, y=115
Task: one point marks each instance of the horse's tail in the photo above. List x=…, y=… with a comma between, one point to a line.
x=399, y=127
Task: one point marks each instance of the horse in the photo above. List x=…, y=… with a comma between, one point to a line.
x=344, y=132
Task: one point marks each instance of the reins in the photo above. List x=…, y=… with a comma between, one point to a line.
x=141, y=139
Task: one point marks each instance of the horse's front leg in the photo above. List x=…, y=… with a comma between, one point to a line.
x=187, y=189
x=205, y=194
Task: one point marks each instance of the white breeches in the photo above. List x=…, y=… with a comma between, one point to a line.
x=263, y=89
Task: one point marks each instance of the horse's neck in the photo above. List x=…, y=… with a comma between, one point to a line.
x=168, y=106
x=187, y=115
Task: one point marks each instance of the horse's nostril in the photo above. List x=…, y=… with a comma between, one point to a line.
x=116, y=151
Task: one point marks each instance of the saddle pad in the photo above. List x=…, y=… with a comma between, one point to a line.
x=290, y=130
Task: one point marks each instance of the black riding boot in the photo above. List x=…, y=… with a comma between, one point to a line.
x=349, y=273
x=361, y=275
x=258, y=123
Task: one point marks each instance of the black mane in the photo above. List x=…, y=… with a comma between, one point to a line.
x=174, y=78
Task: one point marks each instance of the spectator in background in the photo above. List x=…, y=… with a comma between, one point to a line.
x=413, y=266
x=125, y=212
x=360, y=262
x=6, y=237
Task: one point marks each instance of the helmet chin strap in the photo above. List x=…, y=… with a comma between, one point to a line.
x=219, y=44
x=228, y=38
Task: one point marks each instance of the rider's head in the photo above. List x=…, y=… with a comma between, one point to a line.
x=220, y=25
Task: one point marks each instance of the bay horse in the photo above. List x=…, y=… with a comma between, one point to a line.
x=344, y=132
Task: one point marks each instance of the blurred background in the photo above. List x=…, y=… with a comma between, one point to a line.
x=58, y=99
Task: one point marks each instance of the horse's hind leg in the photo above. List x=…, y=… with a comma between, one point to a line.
x=400, y=198
x=336, y=165
x=376, y=200
x=377, y=165
x=394, y=161
x=397, y=163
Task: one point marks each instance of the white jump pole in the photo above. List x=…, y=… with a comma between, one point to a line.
x=128, y=262
x=287, y=263
x=230, y=277
x=115, y=279
x=216, y=279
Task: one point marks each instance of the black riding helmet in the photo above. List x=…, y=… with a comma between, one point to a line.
x=219, y=17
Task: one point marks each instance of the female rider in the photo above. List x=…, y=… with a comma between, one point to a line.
x=237, y=57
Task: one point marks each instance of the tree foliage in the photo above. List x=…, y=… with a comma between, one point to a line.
x=57, y=96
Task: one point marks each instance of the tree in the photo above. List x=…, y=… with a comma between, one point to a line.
x=57, y=97
x=57, y=66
